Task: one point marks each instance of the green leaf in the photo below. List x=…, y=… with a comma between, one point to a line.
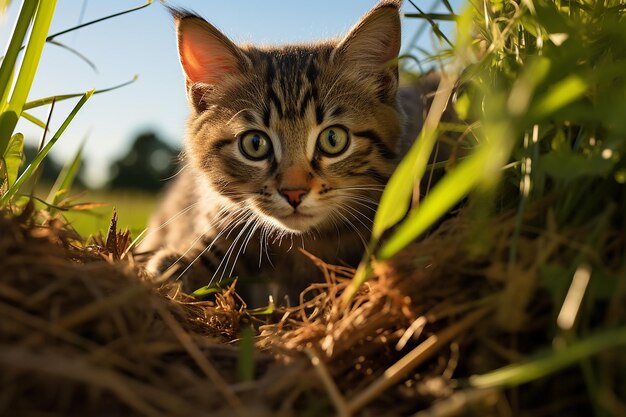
x=48, y=100
x=34, y=120
x=559, y=142
x=551, y=18
x=362, y=274
x=561, y=94
x=3, y=6
x=30, y=169
x=34, y=48
x=396, y=198
x=4, y=99
x=245, y=364
x=552, y=361
x=482, y=168
x=572, y=166
x=524, y=87
x=462, y=106
x=4, y=177
x=264, y=311
x=7, y=68
x=66, y=177
x=14, y=157
x=204, y=292
x=449, y=191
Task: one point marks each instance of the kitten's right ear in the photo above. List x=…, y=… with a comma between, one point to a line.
x=375, y=40
x=206, y=55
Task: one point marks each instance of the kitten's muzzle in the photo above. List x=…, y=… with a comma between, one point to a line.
x=294, y=196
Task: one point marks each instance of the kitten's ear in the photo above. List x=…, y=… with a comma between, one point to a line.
x=375, y=40
x=207, y=56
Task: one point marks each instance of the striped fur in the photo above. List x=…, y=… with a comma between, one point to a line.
x=224, y=215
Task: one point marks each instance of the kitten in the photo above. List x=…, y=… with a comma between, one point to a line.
x=287, y=147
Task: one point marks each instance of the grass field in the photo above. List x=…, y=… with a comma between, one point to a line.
x=133, y=211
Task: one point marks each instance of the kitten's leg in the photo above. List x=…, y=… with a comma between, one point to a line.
x=177, y=267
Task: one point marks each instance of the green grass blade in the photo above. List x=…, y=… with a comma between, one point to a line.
x=396, y=198
x=433, y=25
x=47, y=100
x=4, y=99
x=449, y=191
x=482, y=168
x=3, y=6
x=561, y=94
x=41, y=155
x=36, y=42
x=245, y=363
x=362, y=274
x=262, y=311
x=82, y=25
x=66, y=177
x=80, y=56
x=51, y=38
x=13, y=158
x=551, y=362
x=448, y=17
x=34, y=120
x=17, y=39
x=4, y=177
x=213, y=288
x=448, y=5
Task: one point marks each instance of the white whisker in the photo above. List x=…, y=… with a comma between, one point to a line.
x=351, y=211
x=210, y=227
x=168, y=221
x=338, y=212
x=226, y=260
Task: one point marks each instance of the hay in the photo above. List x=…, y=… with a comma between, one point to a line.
x=83, y=333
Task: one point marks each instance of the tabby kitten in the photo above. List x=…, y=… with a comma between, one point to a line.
x=287, y=147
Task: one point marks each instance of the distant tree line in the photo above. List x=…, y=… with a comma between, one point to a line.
x=147, y=165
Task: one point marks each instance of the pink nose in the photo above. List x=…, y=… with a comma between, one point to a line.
x=294, y=197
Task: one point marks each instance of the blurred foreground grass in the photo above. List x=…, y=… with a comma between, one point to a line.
x=133, y=211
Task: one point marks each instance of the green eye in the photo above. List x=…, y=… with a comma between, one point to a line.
x=255, y=145
x=333, y=140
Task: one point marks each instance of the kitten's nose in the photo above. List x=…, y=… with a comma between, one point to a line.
x=293, y=197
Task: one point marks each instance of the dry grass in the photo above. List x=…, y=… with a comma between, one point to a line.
x=83, y=334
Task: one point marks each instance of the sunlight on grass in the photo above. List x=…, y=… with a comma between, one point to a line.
x=133, y=211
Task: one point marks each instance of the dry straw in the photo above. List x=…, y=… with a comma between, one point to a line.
x=89, y=336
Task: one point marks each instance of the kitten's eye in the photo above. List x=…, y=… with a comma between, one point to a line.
x=333, y=140
x=255, y=145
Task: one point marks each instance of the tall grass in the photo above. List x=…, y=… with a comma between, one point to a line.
x=542, y=87
x=16, y=78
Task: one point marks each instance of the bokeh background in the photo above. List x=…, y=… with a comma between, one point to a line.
x=132, y=135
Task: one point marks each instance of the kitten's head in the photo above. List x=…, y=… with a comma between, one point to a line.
x=304, y=136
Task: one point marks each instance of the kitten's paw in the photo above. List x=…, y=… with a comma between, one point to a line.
x=169, y=266
x=164, y=262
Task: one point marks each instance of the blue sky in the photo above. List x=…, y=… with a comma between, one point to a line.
x=143, y=43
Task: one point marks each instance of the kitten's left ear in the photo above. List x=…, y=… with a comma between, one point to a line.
x=375, y=40
x=206, y=55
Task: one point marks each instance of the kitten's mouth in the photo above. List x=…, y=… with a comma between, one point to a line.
x=297, y=221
